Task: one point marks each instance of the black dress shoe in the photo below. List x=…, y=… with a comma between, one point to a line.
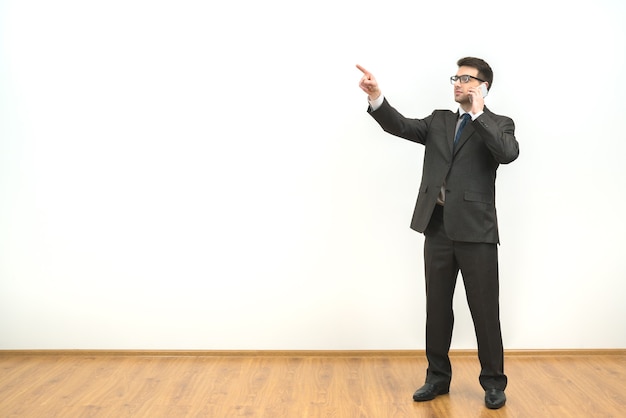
x=428, y=392
x=495, y=398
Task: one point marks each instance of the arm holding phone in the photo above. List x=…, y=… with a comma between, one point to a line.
x=477, y=99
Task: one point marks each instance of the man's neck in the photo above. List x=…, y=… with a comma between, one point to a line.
x=467, y=107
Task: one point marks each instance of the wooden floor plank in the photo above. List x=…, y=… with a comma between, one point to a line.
x=562, y=386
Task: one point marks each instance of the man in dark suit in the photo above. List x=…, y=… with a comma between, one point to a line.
x=456, y=211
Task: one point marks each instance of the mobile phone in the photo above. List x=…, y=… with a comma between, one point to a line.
x=483, y=90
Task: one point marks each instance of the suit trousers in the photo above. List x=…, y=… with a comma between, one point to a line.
x=478, y=264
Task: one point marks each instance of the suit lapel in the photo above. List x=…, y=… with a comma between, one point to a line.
x=468, y=131
x=451, y=121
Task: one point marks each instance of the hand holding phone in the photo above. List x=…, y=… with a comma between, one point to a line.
x=482, y=88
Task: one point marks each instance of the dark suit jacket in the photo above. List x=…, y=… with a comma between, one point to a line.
x=469, y=169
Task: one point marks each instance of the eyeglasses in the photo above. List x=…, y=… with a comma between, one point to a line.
x=464, y=78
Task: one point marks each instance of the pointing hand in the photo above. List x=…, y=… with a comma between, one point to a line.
x=369, y=84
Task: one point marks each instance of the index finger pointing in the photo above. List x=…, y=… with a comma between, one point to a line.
x=364, y=71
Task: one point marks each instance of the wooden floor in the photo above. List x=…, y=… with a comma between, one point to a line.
x=351, y=385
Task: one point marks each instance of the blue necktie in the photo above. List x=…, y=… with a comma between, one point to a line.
x=465, y=118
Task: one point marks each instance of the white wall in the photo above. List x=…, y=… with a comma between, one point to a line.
x=203, y=175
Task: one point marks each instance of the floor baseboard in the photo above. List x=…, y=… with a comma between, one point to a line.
x=301, y=353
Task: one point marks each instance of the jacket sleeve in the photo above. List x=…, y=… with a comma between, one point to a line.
x=498, y=133
x=395, y=123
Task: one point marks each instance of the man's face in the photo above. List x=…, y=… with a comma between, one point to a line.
x=461, y=89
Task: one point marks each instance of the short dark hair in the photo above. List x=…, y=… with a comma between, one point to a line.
x=484, y=70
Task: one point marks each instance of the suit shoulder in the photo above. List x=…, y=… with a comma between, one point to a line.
x=497, y=116
x=442, y=114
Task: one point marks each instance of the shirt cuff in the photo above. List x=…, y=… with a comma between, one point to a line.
x=475, y=116
x=375, y=104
